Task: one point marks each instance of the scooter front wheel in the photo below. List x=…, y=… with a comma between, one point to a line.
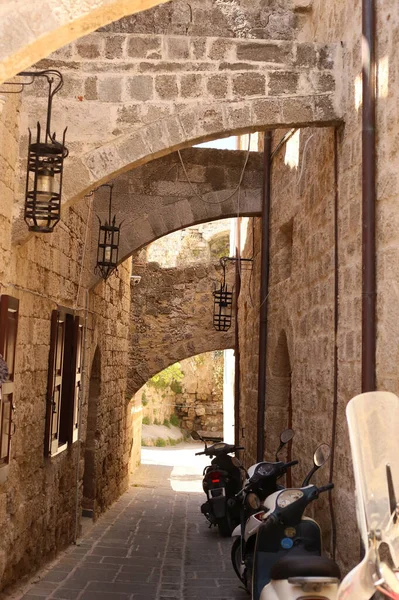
x=236, y=558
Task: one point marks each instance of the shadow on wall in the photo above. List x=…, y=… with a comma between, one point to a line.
x=89, y=476
x=279, y=409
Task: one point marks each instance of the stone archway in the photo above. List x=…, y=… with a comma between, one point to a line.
x=30, y=30
x=169, y=92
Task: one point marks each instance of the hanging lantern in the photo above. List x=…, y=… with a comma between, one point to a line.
x=45, y=167
x=108, y=242
x=222, y=304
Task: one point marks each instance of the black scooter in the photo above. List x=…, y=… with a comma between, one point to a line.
x=222, y=481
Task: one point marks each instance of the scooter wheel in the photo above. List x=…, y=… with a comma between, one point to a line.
x=225, y=526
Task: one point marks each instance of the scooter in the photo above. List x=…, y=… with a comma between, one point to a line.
x=289, y=543
x=222, y=480
x=261, y=482
x=288, y=564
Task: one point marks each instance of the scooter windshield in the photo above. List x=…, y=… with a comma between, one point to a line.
x=373, y=420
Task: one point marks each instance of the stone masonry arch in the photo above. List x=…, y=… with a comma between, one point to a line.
x=166, y=92
x=155, y=199
x=30, y=30
x=171, y=319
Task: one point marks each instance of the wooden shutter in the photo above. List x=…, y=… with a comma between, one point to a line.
x=55, y=380
x=8, y=338
x=77, y=378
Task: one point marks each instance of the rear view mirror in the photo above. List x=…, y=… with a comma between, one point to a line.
x=195, y=435
x=287, y=436
x=321, y=455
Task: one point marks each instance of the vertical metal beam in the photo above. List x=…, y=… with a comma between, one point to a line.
x=264, y=290
x=368, y=199
x=237, y=339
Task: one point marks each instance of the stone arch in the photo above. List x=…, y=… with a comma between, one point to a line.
x=89, y=474
x=171, y=316
x=139, y=108
x=30, y=30
x=155, y=199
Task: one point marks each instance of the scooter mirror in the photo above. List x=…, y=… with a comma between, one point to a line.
x=287, y=436
x=321, y=455
x=388, y=578
x=195, y=435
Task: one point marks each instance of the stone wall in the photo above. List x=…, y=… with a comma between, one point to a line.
x=279, y=19
x=152, y=94
x=171, y=318
x=196, y=396
x=38, y=494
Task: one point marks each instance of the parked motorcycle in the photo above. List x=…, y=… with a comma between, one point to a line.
x=288, y=564
x=288, y=542
x=222, y=480
x=261, y=482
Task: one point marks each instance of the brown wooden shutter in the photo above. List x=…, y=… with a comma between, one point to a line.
x=55, y=379
x=8, y=338
x=77, y=379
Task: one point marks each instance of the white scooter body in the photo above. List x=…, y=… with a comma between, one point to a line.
x=373, y=420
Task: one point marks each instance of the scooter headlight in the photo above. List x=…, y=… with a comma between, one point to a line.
x=287, y=497
x=253, y=501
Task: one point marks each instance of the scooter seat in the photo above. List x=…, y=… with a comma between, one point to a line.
x=304, y=566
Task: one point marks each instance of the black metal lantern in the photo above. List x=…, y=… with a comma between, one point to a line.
x=222, y=304
x=45, y=161
x=108, y=242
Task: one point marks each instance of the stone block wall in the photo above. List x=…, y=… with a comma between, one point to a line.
x=38, y=494
x=171, y=319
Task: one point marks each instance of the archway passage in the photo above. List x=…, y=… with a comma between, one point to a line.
x=171, y=316
x=163, y=93
x=30, y=30
x=89, y=475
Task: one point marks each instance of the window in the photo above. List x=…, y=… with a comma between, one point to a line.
x=8, y=337
x=64, y=381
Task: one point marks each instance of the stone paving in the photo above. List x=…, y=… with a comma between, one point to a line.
x=152, y=544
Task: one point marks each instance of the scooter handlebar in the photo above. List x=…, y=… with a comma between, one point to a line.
x=198, y=453
x=325, y=488
x=291, y=463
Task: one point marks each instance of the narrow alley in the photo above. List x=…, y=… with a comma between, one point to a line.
x=152, y=544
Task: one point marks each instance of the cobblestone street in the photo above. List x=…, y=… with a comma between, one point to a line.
x=152, y=544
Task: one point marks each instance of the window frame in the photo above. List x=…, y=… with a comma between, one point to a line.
x=8, y=305
x=64, y=381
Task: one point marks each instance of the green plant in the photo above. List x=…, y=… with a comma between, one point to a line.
x=144, y=400
x=173, y=442
x=166, y=423
x=174, y=420
x=160, y=442
x=165, y=378
x=157, y=422
x=146, y=421
x=144, y=443
x=176, y=387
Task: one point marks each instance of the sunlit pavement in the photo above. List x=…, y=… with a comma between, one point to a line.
x=152, y=544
